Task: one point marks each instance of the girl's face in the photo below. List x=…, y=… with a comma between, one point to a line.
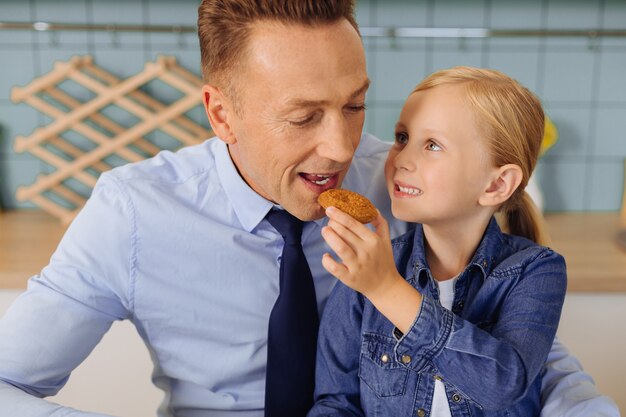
x=440, y=164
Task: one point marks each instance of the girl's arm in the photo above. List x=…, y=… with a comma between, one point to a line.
x=368, y=266
x=491, y=367
x=493, y=363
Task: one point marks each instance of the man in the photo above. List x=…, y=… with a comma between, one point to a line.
x=185, y=246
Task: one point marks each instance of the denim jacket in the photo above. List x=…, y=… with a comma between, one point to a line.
x=488, y=351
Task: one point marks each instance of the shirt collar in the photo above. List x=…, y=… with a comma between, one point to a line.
x=250, y=208
x=484, y=258
x=486, y=253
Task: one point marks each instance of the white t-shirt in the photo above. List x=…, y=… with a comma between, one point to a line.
x=440, y=406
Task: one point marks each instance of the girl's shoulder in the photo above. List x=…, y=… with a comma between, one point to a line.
x=518, y=254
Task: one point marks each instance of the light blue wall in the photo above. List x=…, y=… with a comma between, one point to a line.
x=581, y=83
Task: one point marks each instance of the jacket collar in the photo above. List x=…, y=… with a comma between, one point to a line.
x=484, y=259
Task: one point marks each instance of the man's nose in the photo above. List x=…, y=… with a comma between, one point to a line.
x=336, y=141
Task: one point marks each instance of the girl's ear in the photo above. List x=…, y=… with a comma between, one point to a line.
x=503, y=184
x=219, y=112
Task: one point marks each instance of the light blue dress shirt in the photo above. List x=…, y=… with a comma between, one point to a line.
x=178, y=245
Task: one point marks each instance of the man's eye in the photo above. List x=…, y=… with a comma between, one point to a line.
x=432, y=146
x=303, y=121
x=402, y=138
x=356, y=108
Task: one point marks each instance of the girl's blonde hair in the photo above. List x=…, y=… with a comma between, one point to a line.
x=512, y=121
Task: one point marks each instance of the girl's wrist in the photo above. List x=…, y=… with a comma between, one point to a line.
x=398, y=301
x=384, y=289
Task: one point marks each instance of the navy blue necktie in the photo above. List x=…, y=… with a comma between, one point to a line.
x=293, y=324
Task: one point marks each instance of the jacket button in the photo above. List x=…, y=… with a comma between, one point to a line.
x=421, y=412
x=406, y=359
x=456, y=398
x=438, y=378
x=384, y=358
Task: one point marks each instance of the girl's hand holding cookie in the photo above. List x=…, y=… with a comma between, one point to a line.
x=349, y=202
x=367, y=264
x=366, y=258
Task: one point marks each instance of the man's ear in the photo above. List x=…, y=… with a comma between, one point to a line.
x=218, y=109
x=502, y=185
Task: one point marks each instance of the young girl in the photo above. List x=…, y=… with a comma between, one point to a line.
x=455, y=318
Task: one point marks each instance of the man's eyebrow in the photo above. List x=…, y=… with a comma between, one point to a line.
x=361, y=90
x=314, y=103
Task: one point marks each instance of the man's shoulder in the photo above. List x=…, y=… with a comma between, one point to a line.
x=372, y=147
x=170, y=167
x=366, y=169
x=366, y=173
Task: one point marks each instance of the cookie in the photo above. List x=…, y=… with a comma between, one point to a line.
x=349, y=202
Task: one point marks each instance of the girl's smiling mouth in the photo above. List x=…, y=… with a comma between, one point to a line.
x=403, y=190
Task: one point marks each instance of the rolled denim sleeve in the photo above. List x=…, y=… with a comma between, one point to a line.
x=339, y=344
x=53, y=326
x=495, y=365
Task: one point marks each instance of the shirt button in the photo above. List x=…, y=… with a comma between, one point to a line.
x=484, y=264
x=384, y=358
x=421, y=412
x=406, y=359
x=456, y=398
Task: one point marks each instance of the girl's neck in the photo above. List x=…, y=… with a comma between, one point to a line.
x=451, y=246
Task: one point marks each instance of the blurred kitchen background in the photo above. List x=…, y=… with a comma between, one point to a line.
x=580, y=79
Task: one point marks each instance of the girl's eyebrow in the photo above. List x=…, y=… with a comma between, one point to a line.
x=400, y=126
x=435, y=132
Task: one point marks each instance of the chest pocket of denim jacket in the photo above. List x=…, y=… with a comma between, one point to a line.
x=378, y=368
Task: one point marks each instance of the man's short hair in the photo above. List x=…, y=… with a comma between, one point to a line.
x=224, y=28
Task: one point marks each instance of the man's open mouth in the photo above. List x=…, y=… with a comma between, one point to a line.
x=320, y=182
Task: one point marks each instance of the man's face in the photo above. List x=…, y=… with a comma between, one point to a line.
x=301, y=94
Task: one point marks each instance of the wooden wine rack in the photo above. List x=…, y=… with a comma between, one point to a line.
x=76, y=167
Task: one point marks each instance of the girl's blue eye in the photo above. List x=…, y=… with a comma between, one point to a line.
x=401, y=138
x=432, y=146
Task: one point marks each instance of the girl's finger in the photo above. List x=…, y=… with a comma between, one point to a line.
x=346, y=234
x=381, y=226
x=335, y=268
x=337, y=244
x=346, y=220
